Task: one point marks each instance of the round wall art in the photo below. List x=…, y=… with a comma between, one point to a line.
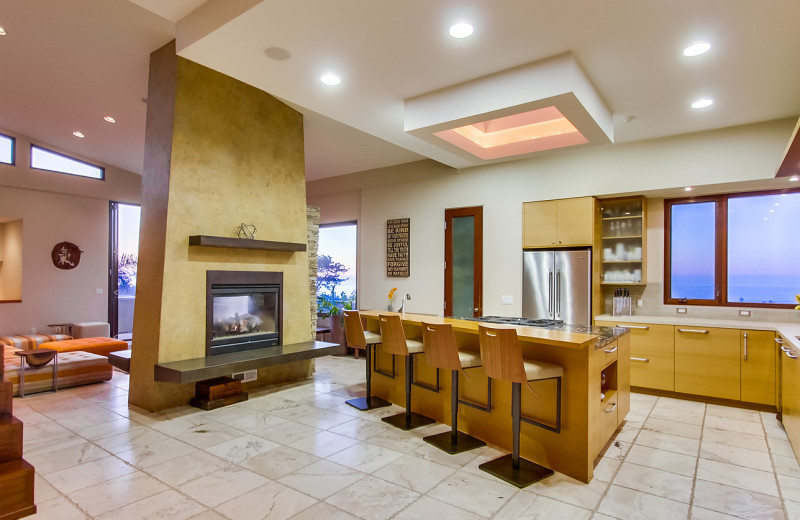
x=66, y=255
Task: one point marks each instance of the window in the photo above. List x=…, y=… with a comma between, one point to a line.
x=336, y=267
x=737, y=249
x=44, y=159
x=6, y=149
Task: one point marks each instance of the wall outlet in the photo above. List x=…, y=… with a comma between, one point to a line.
x=744, y=313
x=639, y=303
x=246, y=377
x=681, y=310
x=99, y=290
x=507, y=300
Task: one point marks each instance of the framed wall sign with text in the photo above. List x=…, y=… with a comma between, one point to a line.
x=397, y=250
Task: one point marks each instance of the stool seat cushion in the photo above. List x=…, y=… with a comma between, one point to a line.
x=372, y=337
x=542, y=370
x=414, y=346
x=99, y=346
x=468, y=359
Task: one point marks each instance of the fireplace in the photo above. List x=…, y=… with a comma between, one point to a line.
x=244, y=310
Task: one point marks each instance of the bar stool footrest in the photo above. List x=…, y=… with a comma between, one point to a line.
x=463, y=442
x=368, y=403
x=406, y=421
x=526, y=474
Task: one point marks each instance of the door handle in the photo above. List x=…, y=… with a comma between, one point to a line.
x=745, y=346
x=642, y=327
x=611, y=350
x=558, y=294
x=642, y=359
x=550, y=293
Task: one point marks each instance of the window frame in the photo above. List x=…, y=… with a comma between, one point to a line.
x=721, y=249
x=13, y=150
x=48, y=150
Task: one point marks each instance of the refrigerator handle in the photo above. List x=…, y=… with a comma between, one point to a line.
x=550, y=293
x=558, y=294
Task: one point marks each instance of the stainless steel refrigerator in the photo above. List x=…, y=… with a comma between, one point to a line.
x=557, y=285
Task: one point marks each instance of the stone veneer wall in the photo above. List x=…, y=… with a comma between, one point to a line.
x=218, y=153
x=313, y=215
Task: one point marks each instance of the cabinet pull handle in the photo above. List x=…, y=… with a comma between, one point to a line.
x=785, y=348
x=695, y=331
x=611, y=350
x=642, y=359
x=779, y=341
x=789, y=354
x=612, y=408
x=642, y=327
x=745, y=346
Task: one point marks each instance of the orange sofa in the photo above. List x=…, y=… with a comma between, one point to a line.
x=99, y=346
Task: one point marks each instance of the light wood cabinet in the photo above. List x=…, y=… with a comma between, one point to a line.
x=652, y=359
x=790, y=395
x=758, y=359
x=707, y=362
x=558, y=223
x=623, y=225
x=610, y=389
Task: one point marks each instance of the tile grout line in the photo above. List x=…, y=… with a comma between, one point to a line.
x=697, y=461
x=774, y=471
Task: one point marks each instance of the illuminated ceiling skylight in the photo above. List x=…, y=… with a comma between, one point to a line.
x=532, y=131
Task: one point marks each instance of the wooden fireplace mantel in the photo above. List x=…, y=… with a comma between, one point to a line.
x=244, y=243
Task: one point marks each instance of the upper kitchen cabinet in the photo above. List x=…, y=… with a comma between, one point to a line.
x=623, y=228
x=558, y=223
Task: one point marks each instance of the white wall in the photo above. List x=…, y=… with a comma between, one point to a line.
x=711, y=160
x=55, y=208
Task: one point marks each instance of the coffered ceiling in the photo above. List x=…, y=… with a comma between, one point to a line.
x=68, y=64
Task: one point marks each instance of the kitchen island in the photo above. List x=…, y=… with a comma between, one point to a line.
x=595, y=390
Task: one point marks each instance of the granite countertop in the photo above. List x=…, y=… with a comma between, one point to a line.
x=605, y=335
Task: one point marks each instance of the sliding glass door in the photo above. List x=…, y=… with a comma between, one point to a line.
x=123, y=259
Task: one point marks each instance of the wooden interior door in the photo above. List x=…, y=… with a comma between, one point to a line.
x=463, y=270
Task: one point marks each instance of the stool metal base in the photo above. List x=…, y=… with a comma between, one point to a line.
x=526, y=474
x=445, y=442
x=368, y=403
x=408, y=421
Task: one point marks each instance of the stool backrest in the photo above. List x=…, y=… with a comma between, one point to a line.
x=392, y=334
x=353, y=330
x=439, y=342
x=501, y=355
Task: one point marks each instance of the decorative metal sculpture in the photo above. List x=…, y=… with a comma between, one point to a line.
x=247, y=231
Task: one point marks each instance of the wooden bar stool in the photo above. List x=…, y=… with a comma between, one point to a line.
x=357, y=337
x=441, y=351
x=395, y=342
x=502, y=359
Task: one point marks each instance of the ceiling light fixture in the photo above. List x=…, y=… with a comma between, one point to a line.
x=277, y=53
x=794, y=178
x=330, y=79
x=78, y=133
x=110, y=119
x=2, y=31
x=696, y=49
x=688, y=188
x=703, y=103
x=461, y=30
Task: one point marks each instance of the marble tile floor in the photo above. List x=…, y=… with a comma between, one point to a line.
x=300, y=452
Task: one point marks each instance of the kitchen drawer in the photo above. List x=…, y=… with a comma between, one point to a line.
x=647, y=339
x=648, y=371
x=607, y=354
x=608, y=421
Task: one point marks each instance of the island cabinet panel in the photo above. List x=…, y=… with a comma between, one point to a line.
x=790, y=395
x=707, y=362
x=652, y=359
x=587, y=421
x=558, y=223
x=758, y=361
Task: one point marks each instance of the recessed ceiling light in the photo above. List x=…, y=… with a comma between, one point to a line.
x=461, y=30
x=794, y=178
x=330, y=79
x=110, y=119
x=2, y=32
x=696, y=49
x=703, y=103
x=78, y=133
x=688, y=188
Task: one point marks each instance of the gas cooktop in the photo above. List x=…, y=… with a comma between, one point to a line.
x=525, y=322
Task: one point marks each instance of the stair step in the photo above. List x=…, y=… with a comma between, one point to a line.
x=10, y=438
x=16, y=481
x=6, y=397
